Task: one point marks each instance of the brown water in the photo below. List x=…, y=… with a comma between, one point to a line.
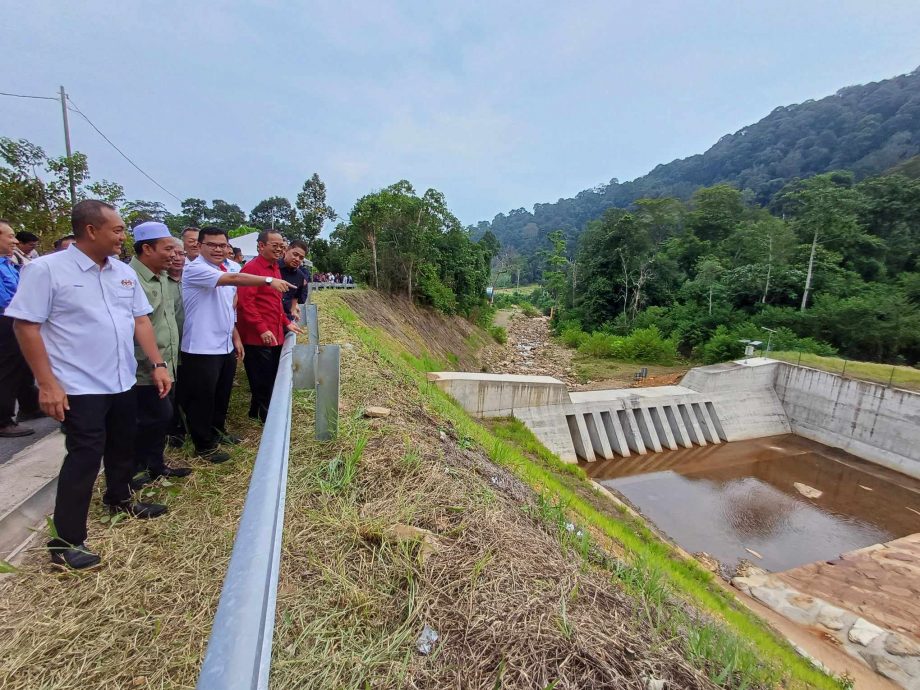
x=736, y=496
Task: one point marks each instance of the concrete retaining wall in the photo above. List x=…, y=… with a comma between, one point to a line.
x=743, y=396
x=498, y=395
x=869, y=420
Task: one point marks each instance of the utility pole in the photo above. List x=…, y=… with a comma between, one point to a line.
x=73, y=186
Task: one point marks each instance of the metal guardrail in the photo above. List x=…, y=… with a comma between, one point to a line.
x=240, y=648
x=239, y=651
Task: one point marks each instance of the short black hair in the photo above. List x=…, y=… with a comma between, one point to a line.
x=87, y=212
x=263, y=235
x=212, y=230
x=26, y=236
x=301, y=244
x=60, y=240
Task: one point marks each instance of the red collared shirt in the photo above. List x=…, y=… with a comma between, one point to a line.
x=258, y=309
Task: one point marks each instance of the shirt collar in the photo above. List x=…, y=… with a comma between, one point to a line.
x=84, y=262
x=143, y=272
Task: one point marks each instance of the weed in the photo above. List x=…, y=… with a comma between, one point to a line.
x=338, y=474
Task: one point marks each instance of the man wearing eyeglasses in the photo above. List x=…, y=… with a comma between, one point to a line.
x=291, y=270
x=211, y=345
x=262, y=323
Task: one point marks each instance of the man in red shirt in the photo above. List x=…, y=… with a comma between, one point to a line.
x=261, y=323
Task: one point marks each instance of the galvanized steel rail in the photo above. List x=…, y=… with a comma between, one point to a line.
x=240, y=648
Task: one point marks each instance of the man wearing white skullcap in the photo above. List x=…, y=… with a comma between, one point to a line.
x=154, y=251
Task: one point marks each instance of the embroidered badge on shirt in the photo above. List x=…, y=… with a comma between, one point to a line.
x=128, y=283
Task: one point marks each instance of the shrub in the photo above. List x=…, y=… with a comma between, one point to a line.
x=529, y=310
x=721, y=347
x=573, y=336
x=648, y=346
x=499, y=333
x=431, y=290
x=598, y=345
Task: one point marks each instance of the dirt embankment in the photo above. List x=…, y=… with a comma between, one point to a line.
x=423, y=332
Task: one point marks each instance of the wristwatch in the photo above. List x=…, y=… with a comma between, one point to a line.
x=160, y=365
x=268, y=281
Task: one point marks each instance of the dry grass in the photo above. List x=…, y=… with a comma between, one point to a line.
x=142, y=620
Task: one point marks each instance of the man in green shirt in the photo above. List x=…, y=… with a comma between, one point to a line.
x=154, y=250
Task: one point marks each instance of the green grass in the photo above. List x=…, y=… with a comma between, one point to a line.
x=899, y=376
x=524, y=289
x=734, y=646
x=592, y=368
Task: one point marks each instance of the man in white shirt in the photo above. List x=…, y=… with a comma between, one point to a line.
x=230, y=263
x=190, y=243
x=210, y=344
x=77, y=314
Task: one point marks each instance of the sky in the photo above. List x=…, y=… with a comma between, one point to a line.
x=499, y=105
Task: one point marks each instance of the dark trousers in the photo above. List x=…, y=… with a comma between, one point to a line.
x=16, y=380
x=98, y=428
x=177, y=425
x=261, y=364
x=154, y=416
x=207, y=381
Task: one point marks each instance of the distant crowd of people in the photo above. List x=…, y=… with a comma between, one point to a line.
x=333, y=278
x=130, y=357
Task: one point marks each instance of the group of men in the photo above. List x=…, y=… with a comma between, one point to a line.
x=130, y=357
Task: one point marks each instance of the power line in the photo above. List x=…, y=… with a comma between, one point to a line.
x=21, y=95
x=123, y=154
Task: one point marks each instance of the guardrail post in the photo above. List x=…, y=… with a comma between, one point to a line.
x=327, y=392
x=311, y=319
x=304, y=367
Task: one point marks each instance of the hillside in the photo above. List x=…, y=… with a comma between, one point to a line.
x=867, y=129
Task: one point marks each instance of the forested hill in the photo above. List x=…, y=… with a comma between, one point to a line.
x=867, y=129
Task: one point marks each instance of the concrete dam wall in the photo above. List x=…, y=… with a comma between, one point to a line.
x=734, y=401
x=866, y=419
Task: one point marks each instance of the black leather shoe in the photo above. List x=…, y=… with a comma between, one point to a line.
x=229, y=439
x=172, y=472
x=76, y=557
x=215, y=456
x=142, y=511
x=13, y=430
x=175, y=441
x=140, y=480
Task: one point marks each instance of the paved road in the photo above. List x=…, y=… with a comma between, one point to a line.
x=10, y=446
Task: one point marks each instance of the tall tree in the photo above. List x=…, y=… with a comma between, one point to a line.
x=554, y=275
x=195, y=211
x=274, y=213
x=312, y=209
x=226, y=215
x=140, y=211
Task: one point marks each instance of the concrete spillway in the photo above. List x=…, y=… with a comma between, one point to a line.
x=735, y=401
